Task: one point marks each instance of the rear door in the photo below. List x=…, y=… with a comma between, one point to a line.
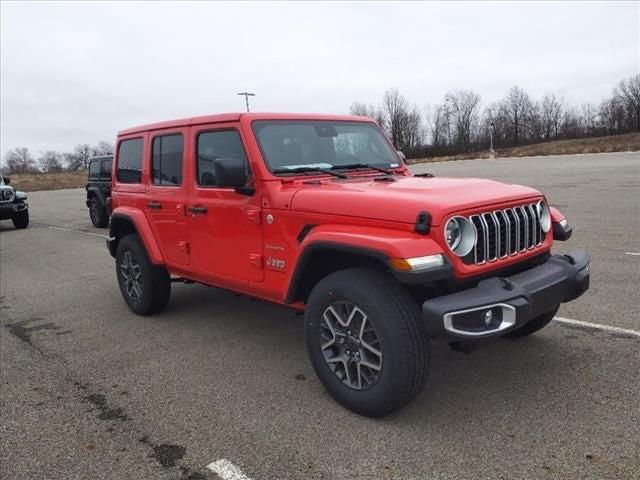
x=224, y=226
x=167, y=194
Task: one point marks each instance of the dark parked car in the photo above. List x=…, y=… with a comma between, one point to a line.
x=13, y=204
x=99, y=190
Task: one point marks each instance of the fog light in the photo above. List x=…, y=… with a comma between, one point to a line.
x=480, y=321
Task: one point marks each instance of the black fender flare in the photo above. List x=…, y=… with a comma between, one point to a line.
x=95, y=191
x=307, y=254
x=296, y=288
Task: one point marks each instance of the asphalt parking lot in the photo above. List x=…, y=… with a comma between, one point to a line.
x=90, y=391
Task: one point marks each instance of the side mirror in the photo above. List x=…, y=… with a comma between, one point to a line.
x=7, y=180
x=230, y=172
x=402, y=156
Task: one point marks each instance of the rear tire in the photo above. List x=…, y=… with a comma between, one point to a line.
x=534, y=325
x=98, y=214
x=340, y=308
x=21, y=219
x=145, y=287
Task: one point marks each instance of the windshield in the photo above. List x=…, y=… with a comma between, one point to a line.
x=315, y=144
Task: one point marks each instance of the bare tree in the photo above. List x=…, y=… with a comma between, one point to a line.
x=465, y=105
x=412, y=130
x=551, y=112
x=611, y=113
x=19, y=160
x=102, y=148
x=630, y=93
x=516, y=106
x=51, y=161
x=436, y=123
x=79, y=158
x=370, y=111
x=395, y=108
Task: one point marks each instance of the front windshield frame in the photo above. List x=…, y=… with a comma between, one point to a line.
x=394, y=160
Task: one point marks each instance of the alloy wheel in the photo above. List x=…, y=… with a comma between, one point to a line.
x=350, y=345
x=131, y=273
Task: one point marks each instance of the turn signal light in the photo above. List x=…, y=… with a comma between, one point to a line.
x=417, y=264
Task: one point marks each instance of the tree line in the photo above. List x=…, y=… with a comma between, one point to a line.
x=461, y=124
x=21, y=160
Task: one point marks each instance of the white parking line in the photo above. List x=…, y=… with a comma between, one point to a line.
x=635, y=254
x=62, y=229
x=227, y=470
x=598, y=326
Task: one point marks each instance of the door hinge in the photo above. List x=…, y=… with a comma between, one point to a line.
x=183, y=246
x=255, y=259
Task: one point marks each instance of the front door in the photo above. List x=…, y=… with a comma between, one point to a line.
x=225, y=234
x=167, y=194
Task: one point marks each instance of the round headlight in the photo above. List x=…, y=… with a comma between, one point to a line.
x=453, y=233
x=460, y=235
x=545, y=215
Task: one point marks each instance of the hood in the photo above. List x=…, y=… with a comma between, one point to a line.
x=402, y=200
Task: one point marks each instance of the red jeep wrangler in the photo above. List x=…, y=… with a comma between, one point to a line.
x=320, y=213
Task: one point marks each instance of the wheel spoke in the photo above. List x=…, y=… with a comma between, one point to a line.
x=350, y=345
x=372, y=366
x=337, y=316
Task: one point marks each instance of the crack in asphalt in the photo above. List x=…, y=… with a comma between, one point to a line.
x=168, y=456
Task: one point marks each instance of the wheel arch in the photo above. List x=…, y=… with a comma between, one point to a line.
x=328, y=248
x=94, y=192
x=323, y=258
x=130, y=221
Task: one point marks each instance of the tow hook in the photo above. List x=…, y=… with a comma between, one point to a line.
x=506, y=284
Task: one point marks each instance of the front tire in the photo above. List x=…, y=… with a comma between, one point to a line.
x=98, y=214
x=21, y=219
x=366, y=341
x=534, y=325
x=145, y=287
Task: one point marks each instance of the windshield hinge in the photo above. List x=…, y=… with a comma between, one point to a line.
x=423, y=223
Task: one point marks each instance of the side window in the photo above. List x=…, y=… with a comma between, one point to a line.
x=94, y=169
x=106, y=169
x=167, y=160
x=130, y=161
x=214, y=145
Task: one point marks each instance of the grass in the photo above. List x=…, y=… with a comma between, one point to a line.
x=613, y=143
x=31, y=182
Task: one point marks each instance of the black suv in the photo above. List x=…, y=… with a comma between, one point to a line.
x=99, y=190
x=13, y=204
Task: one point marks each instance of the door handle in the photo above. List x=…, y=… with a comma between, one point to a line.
x=198, y=210
x=154, y=205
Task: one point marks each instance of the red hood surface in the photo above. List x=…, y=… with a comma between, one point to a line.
x=402, y=200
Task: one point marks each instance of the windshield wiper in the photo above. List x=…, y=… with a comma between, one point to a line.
x=351, y=166
x=309, y=169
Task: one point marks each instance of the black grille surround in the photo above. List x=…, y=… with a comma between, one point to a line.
x=504, y=233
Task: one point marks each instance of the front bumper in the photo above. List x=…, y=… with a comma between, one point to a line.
x=8, y=210
x=512, y=301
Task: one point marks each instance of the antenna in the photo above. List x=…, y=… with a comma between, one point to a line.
x=246, y=96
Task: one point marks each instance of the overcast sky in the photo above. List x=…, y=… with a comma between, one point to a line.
x=79, y=72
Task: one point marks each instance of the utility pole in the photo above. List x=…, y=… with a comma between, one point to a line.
x=246, y=96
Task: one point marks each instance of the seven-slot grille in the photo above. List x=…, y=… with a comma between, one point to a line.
x=506, y=232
